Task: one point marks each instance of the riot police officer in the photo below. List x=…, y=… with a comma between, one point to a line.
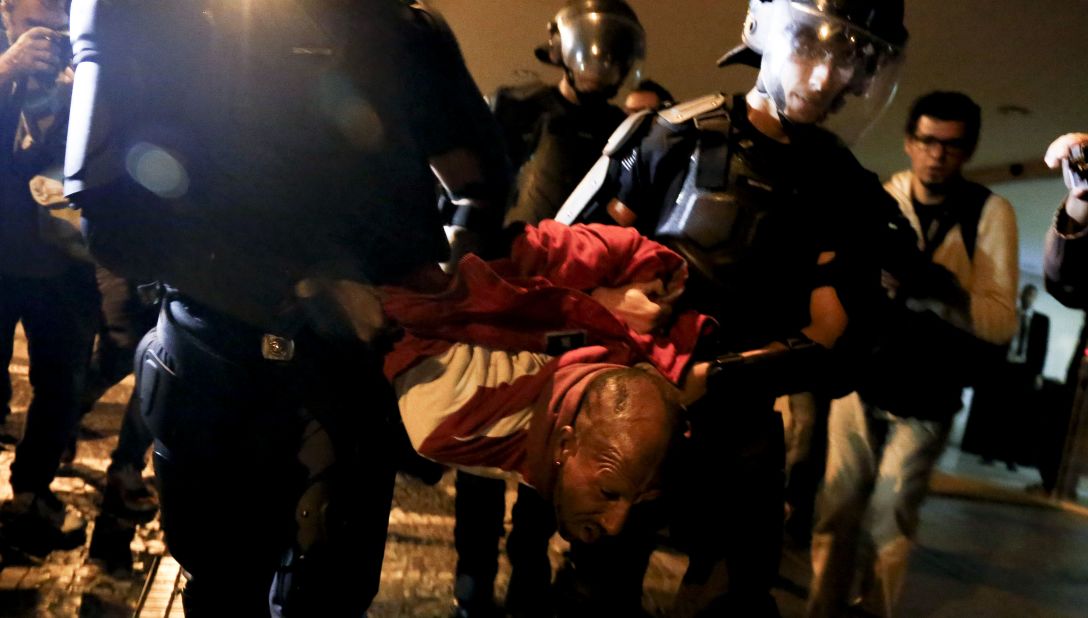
x=553, y=134
x=265, y=162
x=780, y=226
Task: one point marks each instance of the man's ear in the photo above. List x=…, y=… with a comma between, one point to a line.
x=906, y=145
x=565, y=446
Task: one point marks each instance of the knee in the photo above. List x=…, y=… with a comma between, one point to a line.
x=841, y=503
x=894, y=513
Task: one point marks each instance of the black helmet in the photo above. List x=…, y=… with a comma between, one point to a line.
x=599, y=43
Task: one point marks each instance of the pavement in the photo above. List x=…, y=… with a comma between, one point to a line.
x=985, y=548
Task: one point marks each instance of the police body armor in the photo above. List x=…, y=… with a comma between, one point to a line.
x=735, y=222
x=558, y=144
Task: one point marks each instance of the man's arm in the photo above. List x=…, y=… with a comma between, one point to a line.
x=458, y=134
x=470, y=406
x=586, y=257
x=995, y=273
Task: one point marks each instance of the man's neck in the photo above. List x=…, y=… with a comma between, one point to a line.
x=929, y=195
x=764, y=116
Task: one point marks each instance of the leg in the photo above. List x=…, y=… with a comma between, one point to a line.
x=340, y=559
x=912, y=449
x=9, y=317
x=214, y=426
x=734, y=547
x=59, y=324
x=840, y=506
x=803, y=477
x=527, y=548
x=127, y=495
x=125, y=319
x=479, y=506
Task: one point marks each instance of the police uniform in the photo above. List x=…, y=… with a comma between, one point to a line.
x=552, y=142
x=753, y=216
x=244, y=158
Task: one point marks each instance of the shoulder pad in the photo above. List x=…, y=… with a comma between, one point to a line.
x=627, y=129
x=683, y=112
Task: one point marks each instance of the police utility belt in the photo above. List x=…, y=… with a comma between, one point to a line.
x=236, y=341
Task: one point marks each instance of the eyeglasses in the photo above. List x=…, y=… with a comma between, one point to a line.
x=956, y=146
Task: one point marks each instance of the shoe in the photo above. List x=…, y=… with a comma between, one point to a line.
x=127, y=495
x=69, y=455
x=37, y=523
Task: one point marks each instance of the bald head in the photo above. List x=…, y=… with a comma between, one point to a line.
x=612, y=458
x=624, y=401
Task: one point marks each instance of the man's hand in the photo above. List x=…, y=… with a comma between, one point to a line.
x=48, y=192
x=644, y=307
x=34, y=52
x=1076, y=205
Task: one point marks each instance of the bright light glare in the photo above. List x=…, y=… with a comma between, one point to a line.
x=157, y=170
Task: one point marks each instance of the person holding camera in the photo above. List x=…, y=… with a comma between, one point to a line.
x=1066, y=254
x=1065, y=259
x=46, y=278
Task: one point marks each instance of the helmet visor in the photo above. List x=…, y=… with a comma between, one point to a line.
x=600, y=50
x=819, y=68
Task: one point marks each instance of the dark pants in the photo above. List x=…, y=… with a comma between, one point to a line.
x=723, y=504
x=1002, y=414
x=240, y=504
x=480, y=505
x=124, y=319
x=58, y=316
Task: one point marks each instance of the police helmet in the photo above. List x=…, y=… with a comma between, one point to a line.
x=860, y=42
x=599, y=43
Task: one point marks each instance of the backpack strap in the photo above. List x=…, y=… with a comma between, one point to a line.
x=965, y=210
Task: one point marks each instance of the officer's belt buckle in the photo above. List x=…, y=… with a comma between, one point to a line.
x=276, y=348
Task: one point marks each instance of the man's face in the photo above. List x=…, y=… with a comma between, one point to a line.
x=813, y=75
x=1027, y=297
x=937, y=151
x=639, y=100
x=609, y=469
x=22, y=15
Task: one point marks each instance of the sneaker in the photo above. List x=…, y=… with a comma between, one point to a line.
x=128, y=495
x=37, y=523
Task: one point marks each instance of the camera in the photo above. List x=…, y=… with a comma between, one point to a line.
x=1075, y=168
x=61, y=42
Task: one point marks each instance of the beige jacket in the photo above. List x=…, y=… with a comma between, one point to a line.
x=992, y=277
